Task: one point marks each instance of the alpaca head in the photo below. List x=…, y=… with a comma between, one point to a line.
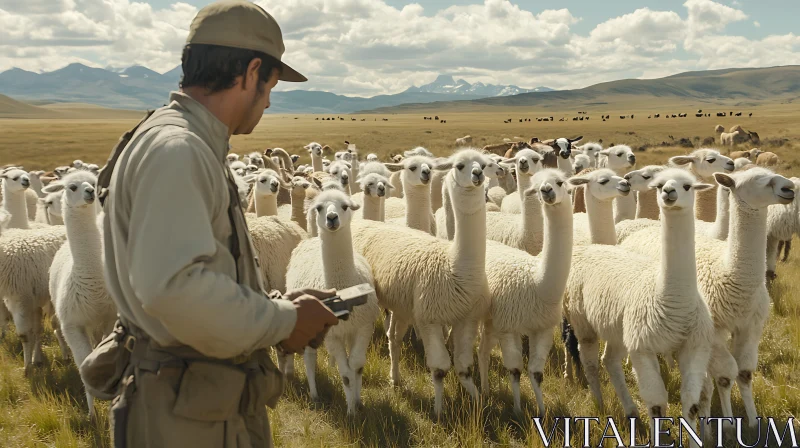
x=527, y=162
x=494, y=169
x=603, y=184
x=77, y=164
x=375, y=184
x=719, y=129
x=753, y=153
x=314, y=148
x=334, y=210
x=15, y=180
x=705, y=162
x=299, y=185
x=640, y=179
x=256, y=159
x=52, y=203
x=551, y=186
x=741, y=163
x=676, y=189
x=581, y=162
x=416, y=170
x=467, y=166
x=591, y=149
x=564, y=146
x=418, y=151
x=340, y=170
x=61, y=171
x=620, y=157
x=267, y=183
x=232, y=157
x=372, y=158
x=78, y=190
x=758, y=187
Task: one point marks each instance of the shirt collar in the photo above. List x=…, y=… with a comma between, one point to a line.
x=207, y=125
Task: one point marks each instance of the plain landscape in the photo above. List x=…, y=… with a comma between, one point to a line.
x=49, y=409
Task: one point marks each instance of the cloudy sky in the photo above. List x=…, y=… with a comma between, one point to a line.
x=370, y=47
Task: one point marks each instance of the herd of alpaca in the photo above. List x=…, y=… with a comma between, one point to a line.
x=489, y=248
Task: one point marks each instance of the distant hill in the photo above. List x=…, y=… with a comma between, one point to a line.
x=751, y=85
x=141, y=88
x=11, y=108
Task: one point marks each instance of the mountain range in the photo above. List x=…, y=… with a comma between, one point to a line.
x=139, y=88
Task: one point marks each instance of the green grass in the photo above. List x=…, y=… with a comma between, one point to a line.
x=49, y=409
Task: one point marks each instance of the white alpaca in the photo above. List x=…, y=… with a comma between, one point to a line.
x=703, y=163
x=592, y=150
x=296, y=209
x=372, y=157
x=646, y=197
x=731, y=278
x=375, y=186
x=600, y=189
x=15, y=183
x=329, y=262
x=341, y=171
x=48, y=210
x=513, y=202
x=315, y=149
x=77, y=286
x=581, y=162
x=621, y=160
x=526, y=291
x=783, y=222
x=433, y=283
x=658, y=310
x=416, y=173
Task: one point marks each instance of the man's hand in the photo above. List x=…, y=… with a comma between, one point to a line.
x=313, y=321
x=321, y=294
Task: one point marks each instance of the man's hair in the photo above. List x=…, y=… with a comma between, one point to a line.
x=215, y=67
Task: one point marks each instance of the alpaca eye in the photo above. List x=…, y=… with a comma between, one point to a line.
x=602, y=181
x=711, y=160
x=73, y=187
x=460, y=166
x=687, y=187
x=412, y=169
x=15, y=179
x=319, y=209
x=345, y=207
x=483, y=167
x=660, y=186
x=646, y=177
x=560, y=183
x=619, y=155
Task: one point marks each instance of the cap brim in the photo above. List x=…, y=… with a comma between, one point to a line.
x=288, y=74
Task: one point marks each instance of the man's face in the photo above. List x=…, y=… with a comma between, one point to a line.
x=255, y=100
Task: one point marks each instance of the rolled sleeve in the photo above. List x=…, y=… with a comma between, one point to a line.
x=172, y=243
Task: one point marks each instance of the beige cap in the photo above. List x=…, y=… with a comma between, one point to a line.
x=241, y=24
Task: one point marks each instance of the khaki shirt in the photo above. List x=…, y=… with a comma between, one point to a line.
x=167, y=239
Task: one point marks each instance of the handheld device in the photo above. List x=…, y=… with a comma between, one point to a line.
x=346, y=299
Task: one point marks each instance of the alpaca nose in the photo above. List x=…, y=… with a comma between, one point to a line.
x=669, y=195
x=88, y=195
x=565, y=153
x=332, y=220
x=729, y=166
x=425, y=174
x=628, y=176
x=345, y=179
x=477, y=176
x=25, y=182
x=548, y=194
x=523, y=165
x=624, y=186
x=381, y=190
x=632, y=159
x=273, y=185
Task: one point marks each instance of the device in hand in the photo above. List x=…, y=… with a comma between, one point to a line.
x=346, y=299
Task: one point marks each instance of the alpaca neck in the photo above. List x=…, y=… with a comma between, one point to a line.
x=565, y=166
x=747, y=240
x=524, y=181
x=36, y=185
x=468, y=251
x=16, y=205
x=706, y=204
x=494, y=182
x=338, y=262
x=83, y=237
x=298, y=212
x=316, y=163
x=647, y=205
x=532, y=222
x=354, y=186
x=436, y=190
x=678, y=265
x=372, y=208
x=418, y=206
x=556, y=255
x=601, y=219
x=721, y=225
x=266, y=204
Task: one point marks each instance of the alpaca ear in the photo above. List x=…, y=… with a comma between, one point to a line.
x=725, y=180
x=681, y=160
x=605, y=152
x=576, y=139
x=530, y=191
x=248, y=178
x=394, y=167
x=702, y=187
x=53, y=187
x=317, y=182
x=578, y=180
x=354, y=206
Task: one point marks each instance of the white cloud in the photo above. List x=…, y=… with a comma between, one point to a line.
x=366, y=47
x=757, y=24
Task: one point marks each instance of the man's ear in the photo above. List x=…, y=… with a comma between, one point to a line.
x=251, y=75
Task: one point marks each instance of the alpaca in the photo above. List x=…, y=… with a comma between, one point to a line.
x=783, y=222
x=416, y=178
x=600, y=188
x=315, y=149
x=659, y=310
x=296, y=210
x=15, y=184
x=580, y=162
x=592, y=150
x=375, y=186
x=82, y=304
x=646, y=201
x=731, y=278
x=703, y=163
x=329, y=262
x=525, y=170
x=526, y=291
x=48, y=210
x=341, y=172
x=621, y=160
x=564, y=148
x=432, y=283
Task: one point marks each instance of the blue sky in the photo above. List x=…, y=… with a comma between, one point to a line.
x=370, y=47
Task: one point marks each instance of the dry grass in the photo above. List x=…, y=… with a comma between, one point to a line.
x=49, y=408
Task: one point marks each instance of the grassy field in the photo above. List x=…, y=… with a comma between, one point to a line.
x=49, y=409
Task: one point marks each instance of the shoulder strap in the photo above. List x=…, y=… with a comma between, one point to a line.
x=104, y=176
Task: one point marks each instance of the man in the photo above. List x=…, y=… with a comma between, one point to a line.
x=179, y=263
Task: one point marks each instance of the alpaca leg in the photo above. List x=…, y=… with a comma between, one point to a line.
x=612, y=360
x=787, y=246
x=745, y=350
x=589, y=349
x=81, y=346
x=62, y=343
x=693, y=363
x=464, y=334
x=488, y=341
x=772, y=256
x=5, y=316
x=397, y=328
x=780, y=248
x=723, y=370
x=336, y=349
x=540, y=343
x=23, y=316
x=38, y=355
x=310, y=364
x=437, y=359
x=651, y=386
x=357, y=359
x=511, y=346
